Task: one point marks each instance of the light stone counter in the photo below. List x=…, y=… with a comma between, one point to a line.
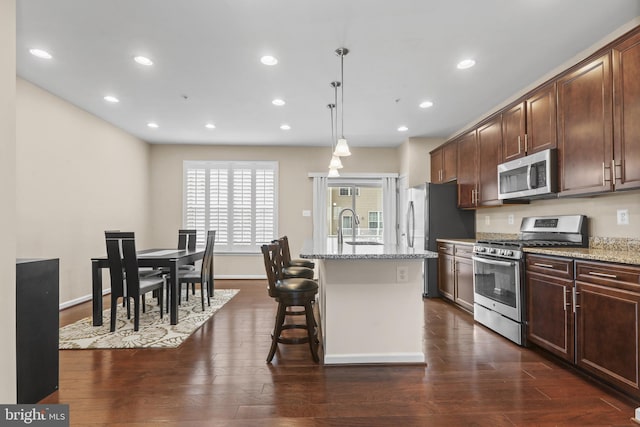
x=606, y=255
x=370, y=302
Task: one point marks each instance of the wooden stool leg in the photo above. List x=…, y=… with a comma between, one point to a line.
x=311, y=330
x=277, y=330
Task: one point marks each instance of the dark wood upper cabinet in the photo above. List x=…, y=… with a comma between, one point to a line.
x=489, y=157
x=626, y=113
x=444, y=163
x=514, y=132
x=467, y=170
x=585, y=135
x=541, y=120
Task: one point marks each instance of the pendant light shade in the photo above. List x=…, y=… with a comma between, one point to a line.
x=335, y=162
x=333, y=173
x=342, y=148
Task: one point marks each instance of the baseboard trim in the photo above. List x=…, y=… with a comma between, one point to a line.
x=89, y=297
x=368, y=358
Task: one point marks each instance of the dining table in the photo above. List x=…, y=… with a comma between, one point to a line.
x=171, y=259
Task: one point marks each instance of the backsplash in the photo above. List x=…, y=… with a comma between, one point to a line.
x=601, y=211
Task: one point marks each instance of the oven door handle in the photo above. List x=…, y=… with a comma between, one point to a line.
x=494, y=261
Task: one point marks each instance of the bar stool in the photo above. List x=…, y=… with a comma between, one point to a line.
x=292, y=271
x=290, y=292
x=286, y=256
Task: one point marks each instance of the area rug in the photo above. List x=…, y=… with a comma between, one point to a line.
x=153, y=332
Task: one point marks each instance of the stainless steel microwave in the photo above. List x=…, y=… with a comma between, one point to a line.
x=532, y=176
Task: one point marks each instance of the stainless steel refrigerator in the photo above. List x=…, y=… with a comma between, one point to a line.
x=431, y=214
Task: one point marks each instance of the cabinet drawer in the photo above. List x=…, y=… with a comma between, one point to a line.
x=607, y=274
x=463, y=251
x=445, y=248
x=557, y=267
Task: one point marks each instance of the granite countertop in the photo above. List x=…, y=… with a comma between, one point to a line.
x=606, y=255
x=330, y=249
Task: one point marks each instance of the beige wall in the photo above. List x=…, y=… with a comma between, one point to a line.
x=76, y=177
x=8, y=197
x=601, y=210
x=295, y=192
x=415, y=161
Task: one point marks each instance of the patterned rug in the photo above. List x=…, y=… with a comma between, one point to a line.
x=153, y=332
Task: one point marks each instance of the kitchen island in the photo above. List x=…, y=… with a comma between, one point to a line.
x=370, y=301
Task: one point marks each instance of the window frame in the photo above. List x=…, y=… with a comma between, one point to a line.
x=231, y=247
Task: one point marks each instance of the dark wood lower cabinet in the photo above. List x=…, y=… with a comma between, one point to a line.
x=592, y=321
x=455, y=274
x=550, y=315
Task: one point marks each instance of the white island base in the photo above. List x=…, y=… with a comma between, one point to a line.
x=372, y=310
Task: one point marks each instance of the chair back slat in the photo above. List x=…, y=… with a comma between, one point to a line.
x=114, y=256
x=272, y=266
x=131, y=264
x=206, y=271
x=286, y=254
x=187, y=239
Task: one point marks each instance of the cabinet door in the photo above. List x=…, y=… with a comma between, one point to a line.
x=608, y=334
x=549, y=314
x=446, y=276
x=436, y=166
x=489, y=156
x=513, y=132
x=467, y=177
x=541, y=120
x=626, y=111
x=585, y=135
x=449, y=162
x=464, y=283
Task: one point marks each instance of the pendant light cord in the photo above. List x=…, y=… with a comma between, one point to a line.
x=342, y=93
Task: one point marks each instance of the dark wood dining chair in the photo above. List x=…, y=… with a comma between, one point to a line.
x=204, y=275
x=136, y=285
x=286, y=256
x=292, y=292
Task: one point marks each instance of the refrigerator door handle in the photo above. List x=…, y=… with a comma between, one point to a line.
x=411, y=224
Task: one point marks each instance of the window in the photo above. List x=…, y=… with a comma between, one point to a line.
x=375, y=220
x=348, y=191
x=237, y=199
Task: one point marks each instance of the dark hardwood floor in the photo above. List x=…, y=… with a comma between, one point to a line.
x=218, y=377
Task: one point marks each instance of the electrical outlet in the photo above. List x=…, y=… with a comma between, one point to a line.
x=402, y=274
x=510, y=219
x=487, y=220
x=623, y=216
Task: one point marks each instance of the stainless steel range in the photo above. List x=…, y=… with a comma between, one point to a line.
x=498, y=270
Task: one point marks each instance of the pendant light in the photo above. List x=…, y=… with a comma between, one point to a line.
x=335, y=162
x=342, y=148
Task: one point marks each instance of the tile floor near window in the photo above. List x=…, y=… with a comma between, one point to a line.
x=219, y=377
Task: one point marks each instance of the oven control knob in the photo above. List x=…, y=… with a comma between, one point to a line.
x=509, y=253
x=492, y=251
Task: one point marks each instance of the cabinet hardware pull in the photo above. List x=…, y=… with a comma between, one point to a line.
x=537, y=264
x=609, y=276
x=604, y=175
x=526, y=142
x=519, y=144
x=575, y=300
x=615, y=175
x=564, y=299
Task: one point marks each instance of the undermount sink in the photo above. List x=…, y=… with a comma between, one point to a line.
x=364, y=243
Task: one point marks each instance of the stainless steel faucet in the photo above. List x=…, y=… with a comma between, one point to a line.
x=355, y=219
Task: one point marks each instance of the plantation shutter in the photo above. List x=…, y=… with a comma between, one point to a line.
x=237, y=199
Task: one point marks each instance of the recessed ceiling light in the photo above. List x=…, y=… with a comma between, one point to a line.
x=111, y=98
x=143, y=60
x=403, y=129
x=153, y=125
x=426, y=104
x=210, y=126
x=466, y=63
x=278, y=102
x=285, y=127
x=268, y=60
x=40, y=53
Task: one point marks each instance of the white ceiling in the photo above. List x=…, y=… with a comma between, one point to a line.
x=207, y=51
